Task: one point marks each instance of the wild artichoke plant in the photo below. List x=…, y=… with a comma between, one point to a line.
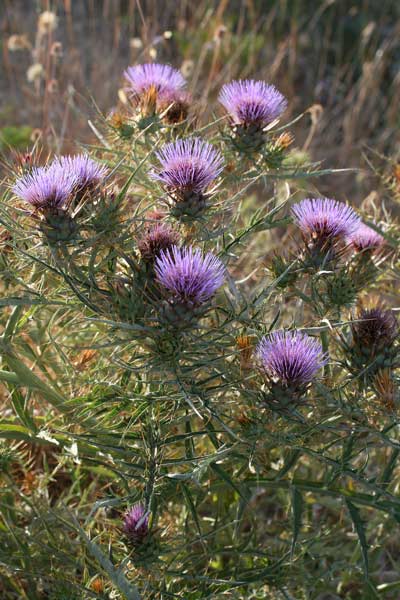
x=147, y=352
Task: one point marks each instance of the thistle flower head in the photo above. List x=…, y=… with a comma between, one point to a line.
x=86, y=171
x=136, y=524
x=45, y=187
x=290, y=358
x=365, y=238
x=159, y=237
x=191, y=277
x=323, y=218
x=374, y=329
x=162, y=78
x=250, y=102
x=188, y=166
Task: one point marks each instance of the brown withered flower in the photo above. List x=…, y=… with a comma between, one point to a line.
x=374, y=329
x=245, y=345
x=157, y=238
x=386, y=389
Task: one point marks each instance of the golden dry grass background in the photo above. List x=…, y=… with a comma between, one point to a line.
x=337, y=59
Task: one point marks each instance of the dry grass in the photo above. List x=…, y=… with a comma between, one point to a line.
x=339, y=60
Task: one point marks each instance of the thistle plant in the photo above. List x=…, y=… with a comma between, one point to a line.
x=87, y=172
x=289, y=362
x=365, y=239
x=252, y=106
x=49, y=190
x=190, y=280
x=324, y=224
x=163, y=78
x=340, y=256
x=179, y=329
x=46, y=188
x=187, y=170
x=136, y=524
x=158, y=89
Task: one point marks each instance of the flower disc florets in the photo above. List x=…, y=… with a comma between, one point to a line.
x=325, y=218
x=251, y=106
x=87, y=172
x=136, y=524
x=290, y=358
x=46, y=188
x=163, y=78
x=190, y=277
x=325, y=224
x=252, y=103
x=159, y=88
x=365, y=238
x=187, y=170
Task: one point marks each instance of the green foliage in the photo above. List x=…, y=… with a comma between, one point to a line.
x=17, y=137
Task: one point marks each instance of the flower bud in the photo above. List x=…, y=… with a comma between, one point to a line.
x=136, y=524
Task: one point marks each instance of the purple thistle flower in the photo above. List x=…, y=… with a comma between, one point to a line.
x=136, y=524
x=290, y=358
x=188, y=166
x=250, y=102
x=366, y=238
x=163, y=78
x=191, y=277
x=323, y=218
x=46, y=187
x=88, y=172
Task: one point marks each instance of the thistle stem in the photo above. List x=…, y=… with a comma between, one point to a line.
x=325, y=347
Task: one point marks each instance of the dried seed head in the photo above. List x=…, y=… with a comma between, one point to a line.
x=374, y=330
x=34, y=72
x=160, y=237
x=56, y=49
x=386, y=389
x=17, y=42
x=285, y=140
x=187, y=68
x=220, y=32
x=136, y=43
x=47, y=22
